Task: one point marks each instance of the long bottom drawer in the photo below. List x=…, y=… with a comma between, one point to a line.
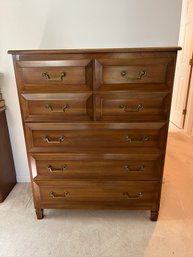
x=66, y=194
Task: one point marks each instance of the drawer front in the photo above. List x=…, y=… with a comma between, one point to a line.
x=54, y=75
x=132, y=106
x=137, y=72
x=131, y=193
x=77, y=106
x=72, y=138
x=105, y=169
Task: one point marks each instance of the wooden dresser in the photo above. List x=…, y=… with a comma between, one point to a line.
x=7, y=169
x=96, y=124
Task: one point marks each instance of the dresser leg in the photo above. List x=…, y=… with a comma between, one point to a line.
x=39, y=214
x=154, y=215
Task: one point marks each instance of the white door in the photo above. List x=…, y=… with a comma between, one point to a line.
x=181, y=81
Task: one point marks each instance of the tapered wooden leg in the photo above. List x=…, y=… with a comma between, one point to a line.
x=154, y=215
x=39, y=214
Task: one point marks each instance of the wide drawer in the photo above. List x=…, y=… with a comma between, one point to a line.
x=132, y=106
x=61, y=166
x=55, y=75
x=135, y=72
x=65, y=193
x=67, y=137
x=55, y=106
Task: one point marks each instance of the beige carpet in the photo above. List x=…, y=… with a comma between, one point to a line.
x=73, y=233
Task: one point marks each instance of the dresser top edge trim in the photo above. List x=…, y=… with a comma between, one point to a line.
x=97, y=50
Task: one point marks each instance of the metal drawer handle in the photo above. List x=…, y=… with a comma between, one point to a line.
x=48, y=77
x=131, y=196
x=139, y=169
x=49, y=141
x=53, y=195
x=125, y=75
x=127, y=109
x=137, y=141
x=62, y=169
x=51, y=109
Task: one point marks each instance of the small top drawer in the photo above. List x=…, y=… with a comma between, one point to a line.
x=128, y=106
x=133, y=73
x=57, y=106
x=55, y=75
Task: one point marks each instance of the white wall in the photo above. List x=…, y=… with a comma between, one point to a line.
x=40, y=24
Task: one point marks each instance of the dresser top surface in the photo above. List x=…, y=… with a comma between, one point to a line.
x=97, y=50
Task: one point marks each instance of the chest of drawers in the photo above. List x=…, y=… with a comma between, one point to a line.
x=95, y=124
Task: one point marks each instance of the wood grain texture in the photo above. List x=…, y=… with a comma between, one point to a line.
x=58, y=107
x=128, y=194
x=85, y=169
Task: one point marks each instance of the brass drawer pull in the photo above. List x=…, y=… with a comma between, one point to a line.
x=49, y=141
x=53, y=195
x=139, y=169
x=137, y=141
x=125, y=75
x=127, y=109
x=131, y=196
x=50, y=108
x=62, y=169
x=47, y=76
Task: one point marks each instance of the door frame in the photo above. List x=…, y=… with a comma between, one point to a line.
x=182, y=101
x=188, y=124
